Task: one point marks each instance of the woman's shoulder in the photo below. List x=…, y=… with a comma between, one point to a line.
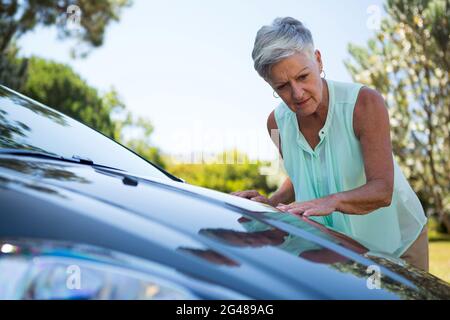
x=354, y=92
x=370, y=96
x=278, y=117
x=271, y=122
x=344, y=92
x=370, y=108
x=358, y=104
x=281, y=111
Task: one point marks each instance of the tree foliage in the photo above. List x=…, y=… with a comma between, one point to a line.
x=408, y=62
x=140, y=139
x=19, y=17
x=59, y=87
x=12, y=71
x=231, y=171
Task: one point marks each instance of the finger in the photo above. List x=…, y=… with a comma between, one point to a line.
x=250, y=194
x=312, y=213
x=296, y=210
x=295, y=205
x=286, y=206
x=303, y=206
x=253, y=193
x=259, y=199
x=293, y=208
x=243, y=194
x=282, y=208
x=243, y=220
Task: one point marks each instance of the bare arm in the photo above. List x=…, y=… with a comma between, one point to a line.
x=371, y=127
x=284, y=194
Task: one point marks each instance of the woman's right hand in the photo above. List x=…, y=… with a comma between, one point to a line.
x=252, y=195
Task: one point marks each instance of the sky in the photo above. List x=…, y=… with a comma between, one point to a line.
x=187, y=67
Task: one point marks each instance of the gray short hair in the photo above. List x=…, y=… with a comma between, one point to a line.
x=283, y=38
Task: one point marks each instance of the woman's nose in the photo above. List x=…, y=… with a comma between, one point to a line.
x=297, y=93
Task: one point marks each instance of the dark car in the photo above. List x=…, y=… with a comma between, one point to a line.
x=82, y=217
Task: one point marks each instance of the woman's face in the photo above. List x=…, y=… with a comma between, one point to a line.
x=296, y=79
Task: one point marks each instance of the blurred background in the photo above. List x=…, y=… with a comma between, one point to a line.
x=174, y=81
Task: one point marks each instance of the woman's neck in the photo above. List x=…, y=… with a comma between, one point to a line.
x=319, y=117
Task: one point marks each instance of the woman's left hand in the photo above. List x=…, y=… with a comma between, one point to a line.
x=317, y=207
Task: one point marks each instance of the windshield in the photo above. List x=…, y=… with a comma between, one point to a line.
x=26, y=124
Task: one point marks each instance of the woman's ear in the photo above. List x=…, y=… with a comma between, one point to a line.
x=318, y=59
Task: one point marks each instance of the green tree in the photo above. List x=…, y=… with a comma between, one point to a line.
x=231, y=171
x=12, y=71
x=56, y=84
x=19, y=17
x=408, y=62
x=59, y=87
x=140, y=139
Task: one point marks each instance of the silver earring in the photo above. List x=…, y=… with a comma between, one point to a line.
x=275, y=95
x=324, y=75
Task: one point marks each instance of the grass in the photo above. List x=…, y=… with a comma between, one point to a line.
x=434, y=234
x=440, y=259
x=439, y=249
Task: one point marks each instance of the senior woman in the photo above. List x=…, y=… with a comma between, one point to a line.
x=334, y=138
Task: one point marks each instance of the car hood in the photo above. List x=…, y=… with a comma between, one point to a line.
x=233, y=242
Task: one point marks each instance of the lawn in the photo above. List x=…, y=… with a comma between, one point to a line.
x=440, y=259
x=439, y=248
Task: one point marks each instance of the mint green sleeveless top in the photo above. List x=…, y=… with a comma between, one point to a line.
x=337, y=165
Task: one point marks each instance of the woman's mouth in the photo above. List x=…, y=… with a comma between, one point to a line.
x=301, y=103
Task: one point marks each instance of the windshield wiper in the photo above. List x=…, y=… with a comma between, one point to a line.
x=53, y=156
x=171, y=176
x=74, y=159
